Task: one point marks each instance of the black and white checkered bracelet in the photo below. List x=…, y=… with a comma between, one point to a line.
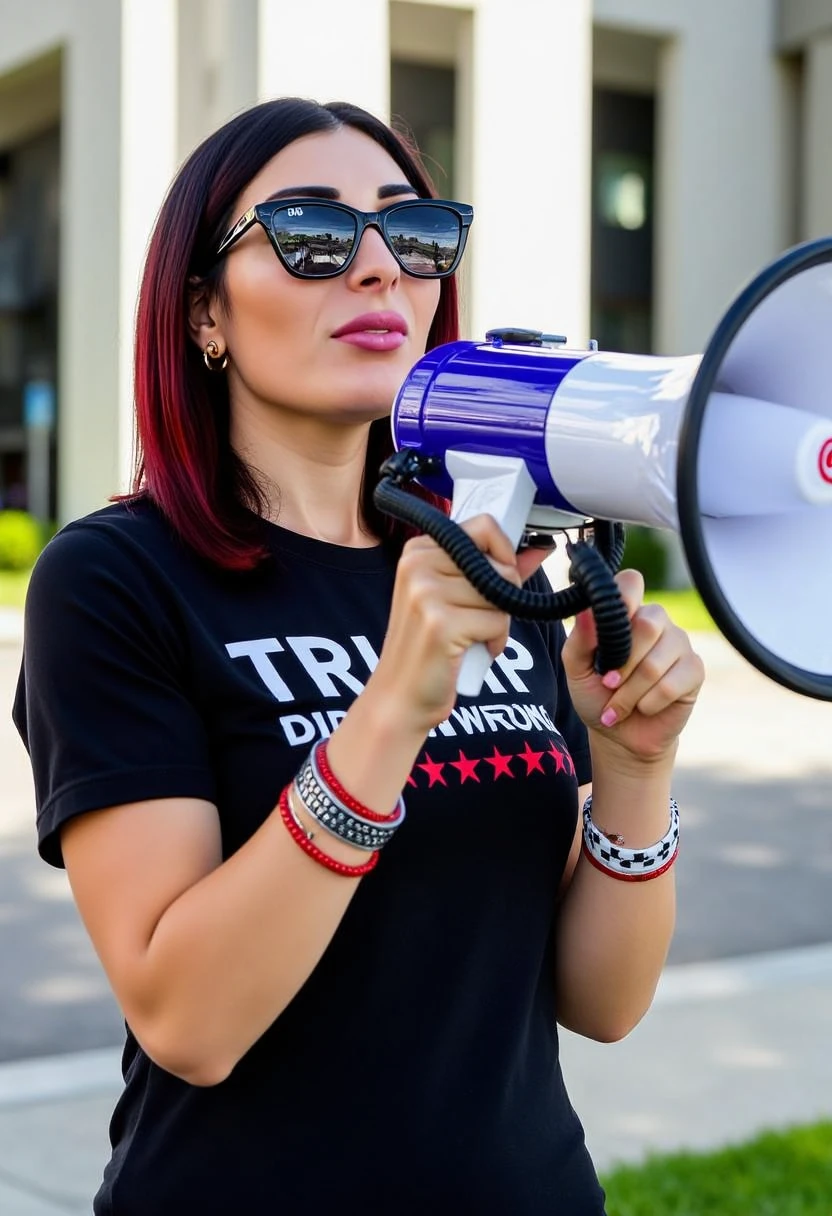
x=633, y=865
x=335, y=817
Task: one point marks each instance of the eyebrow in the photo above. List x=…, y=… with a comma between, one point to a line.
x=330, y=192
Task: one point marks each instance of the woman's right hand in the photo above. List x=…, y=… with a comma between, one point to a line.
x=436, y=615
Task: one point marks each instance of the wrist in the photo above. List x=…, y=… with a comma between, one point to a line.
x=374, y=749
x=631, y=796
x=609, y=756
x=636, y=862
x=391, y=712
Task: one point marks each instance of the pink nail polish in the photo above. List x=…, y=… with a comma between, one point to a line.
x=608, y=717
x=612, y=679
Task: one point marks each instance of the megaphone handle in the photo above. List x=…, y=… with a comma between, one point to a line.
x=500, y=486
x=473, y=670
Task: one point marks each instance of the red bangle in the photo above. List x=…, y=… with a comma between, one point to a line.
x=299, y=836
x=642, y=876
x=343, y=795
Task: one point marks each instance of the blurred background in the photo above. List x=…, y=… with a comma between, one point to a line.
x=632, y=164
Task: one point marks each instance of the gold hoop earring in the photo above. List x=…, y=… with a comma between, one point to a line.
x=212, y=359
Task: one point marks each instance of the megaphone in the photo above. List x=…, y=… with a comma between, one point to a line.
x=731, y=449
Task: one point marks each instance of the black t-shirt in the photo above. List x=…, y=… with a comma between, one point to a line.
x=417, y=1068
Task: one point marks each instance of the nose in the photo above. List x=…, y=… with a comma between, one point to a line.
x=373, y=265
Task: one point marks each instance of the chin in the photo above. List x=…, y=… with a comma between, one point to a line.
x=355, y=409
x=375, y=392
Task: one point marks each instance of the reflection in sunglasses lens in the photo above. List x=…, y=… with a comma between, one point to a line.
x=425, y=238
x=314, y=240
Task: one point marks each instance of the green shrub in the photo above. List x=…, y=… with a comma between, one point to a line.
x=645, y=551
x=21, y=540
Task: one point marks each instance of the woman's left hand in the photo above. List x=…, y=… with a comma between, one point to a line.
x=642, y=707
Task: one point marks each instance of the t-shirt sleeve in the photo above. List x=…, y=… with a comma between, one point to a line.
x=566, y=717
x=102, y=702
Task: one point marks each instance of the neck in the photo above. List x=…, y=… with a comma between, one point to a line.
x=310, y=471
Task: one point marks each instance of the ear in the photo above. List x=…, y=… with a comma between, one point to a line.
x=203, y=308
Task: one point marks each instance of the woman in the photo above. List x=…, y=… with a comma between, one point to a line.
x=305, y=1026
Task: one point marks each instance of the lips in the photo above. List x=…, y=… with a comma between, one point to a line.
x=374, y=324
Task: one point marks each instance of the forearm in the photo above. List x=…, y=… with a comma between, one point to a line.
x=232, y=951
x=613, y=935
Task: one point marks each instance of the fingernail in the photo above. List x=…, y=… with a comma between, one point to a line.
x=612, y=679
x=609, y=716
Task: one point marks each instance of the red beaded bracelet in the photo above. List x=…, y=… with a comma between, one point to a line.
x=640, y=876
x=343, y=795
x=300, y=837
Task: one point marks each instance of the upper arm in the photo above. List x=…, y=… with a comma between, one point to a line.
x=126, y=866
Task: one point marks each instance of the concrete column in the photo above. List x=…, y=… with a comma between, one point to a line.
x=217, y=68
x=723, y=205
x=89, y=300
x=148, y=159
x=530, y=168
x=326, y=50
x=816, y=217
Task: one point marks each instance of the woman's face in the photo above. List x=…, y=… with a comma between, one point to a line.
x=279, y=331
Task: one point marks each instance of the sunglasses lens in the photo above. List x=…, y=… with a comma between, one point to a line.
x=314, y=240
x=425, y=238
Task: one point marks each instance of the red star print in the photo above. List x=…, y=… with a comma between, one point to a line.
x=559, y=758
x=467, y=768
x=532, y=759
x=410, y=780
x=502, y=764
x=434, y=771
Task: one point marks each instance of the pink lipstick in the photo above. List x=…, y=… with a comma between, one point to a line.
x=376, y=331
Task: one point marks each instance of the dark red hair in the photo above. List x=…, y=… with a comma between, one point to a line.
x=184, y=460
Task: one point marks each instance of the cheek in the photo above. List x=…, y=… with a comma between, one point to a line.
x=268, y=311
x=425, y=304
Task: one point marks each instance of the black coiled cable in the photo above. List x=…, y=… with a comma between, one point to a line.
x=591, y=570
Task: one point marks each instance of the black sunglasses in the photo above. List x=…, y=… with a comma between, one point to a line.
x=315, y=239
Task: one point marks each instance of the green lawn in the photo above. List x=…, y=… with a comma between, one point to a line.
x=13, y=584
x=686, y=609
x=777, y=1174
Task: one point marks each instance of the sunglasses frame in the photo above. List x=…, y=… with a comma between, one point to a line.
x=263, y=214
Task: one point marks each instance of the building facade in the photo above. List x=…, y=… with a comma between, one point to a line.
x=632, y=164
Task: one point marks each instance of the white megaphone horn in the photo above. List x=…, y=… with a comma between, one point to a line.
x=732, y=449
